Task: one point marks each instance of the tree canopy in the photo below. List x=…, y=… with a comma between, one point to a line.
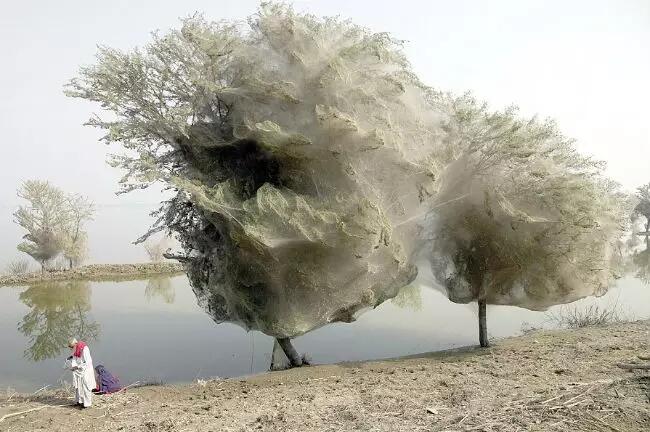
x=525, y=219
x=80, y=210
x=54, y=222
x=43, y=218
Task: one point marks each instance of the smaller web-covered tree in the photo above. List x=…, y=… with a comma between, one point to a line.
x=54, y=222
x=75, y=245
x=523, y=218
x=43, y=217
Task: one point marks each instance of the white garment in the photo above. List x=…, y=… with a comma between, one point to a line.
x=83, y=378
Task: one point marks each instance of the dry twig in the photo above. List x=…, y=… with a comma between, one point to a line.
x=6, y=416
x=604, y=422
x=632, y=366
x=40, y=390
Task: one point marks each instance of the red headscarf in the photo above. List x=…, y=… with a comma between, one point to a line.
x=78, y=348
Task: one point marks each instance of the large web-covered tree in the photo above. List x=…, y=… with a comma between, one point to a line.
x=313, y=170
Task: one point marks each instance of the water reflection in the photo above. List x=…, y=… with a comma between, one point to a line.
x=58, y=311
x=160, y=286
x=419, y=320
x=641, y=263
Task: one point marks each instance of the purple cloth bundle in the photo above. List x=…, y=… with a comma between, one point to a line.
x=106, y=382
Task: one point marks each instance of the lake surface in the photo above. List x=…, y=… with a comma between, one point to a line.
x=153, y=330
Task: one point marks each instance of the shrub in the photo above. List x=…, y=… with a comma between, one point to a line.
x=18, y=266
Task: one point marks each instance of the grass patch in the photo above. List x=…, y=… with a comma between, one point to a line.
x=590, y=316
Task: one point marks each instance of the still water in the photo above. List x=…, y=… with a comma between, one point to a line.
x=153, y=330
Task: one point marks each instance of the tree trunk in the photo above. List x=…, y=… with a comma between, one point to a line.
x=279, y=359
x=482, y=324
x=70, y=263
x=294, y=358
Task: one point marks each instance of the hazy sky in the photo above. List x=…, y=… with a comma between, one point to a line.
x=584, y=63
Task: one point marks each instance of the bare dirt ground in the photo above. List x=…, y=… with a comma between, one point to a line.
x=564, y=380
x=96, y=272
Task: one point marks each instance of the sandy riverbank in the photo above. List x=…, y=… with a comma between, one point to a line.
x=544, y=381
x=96, y=272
